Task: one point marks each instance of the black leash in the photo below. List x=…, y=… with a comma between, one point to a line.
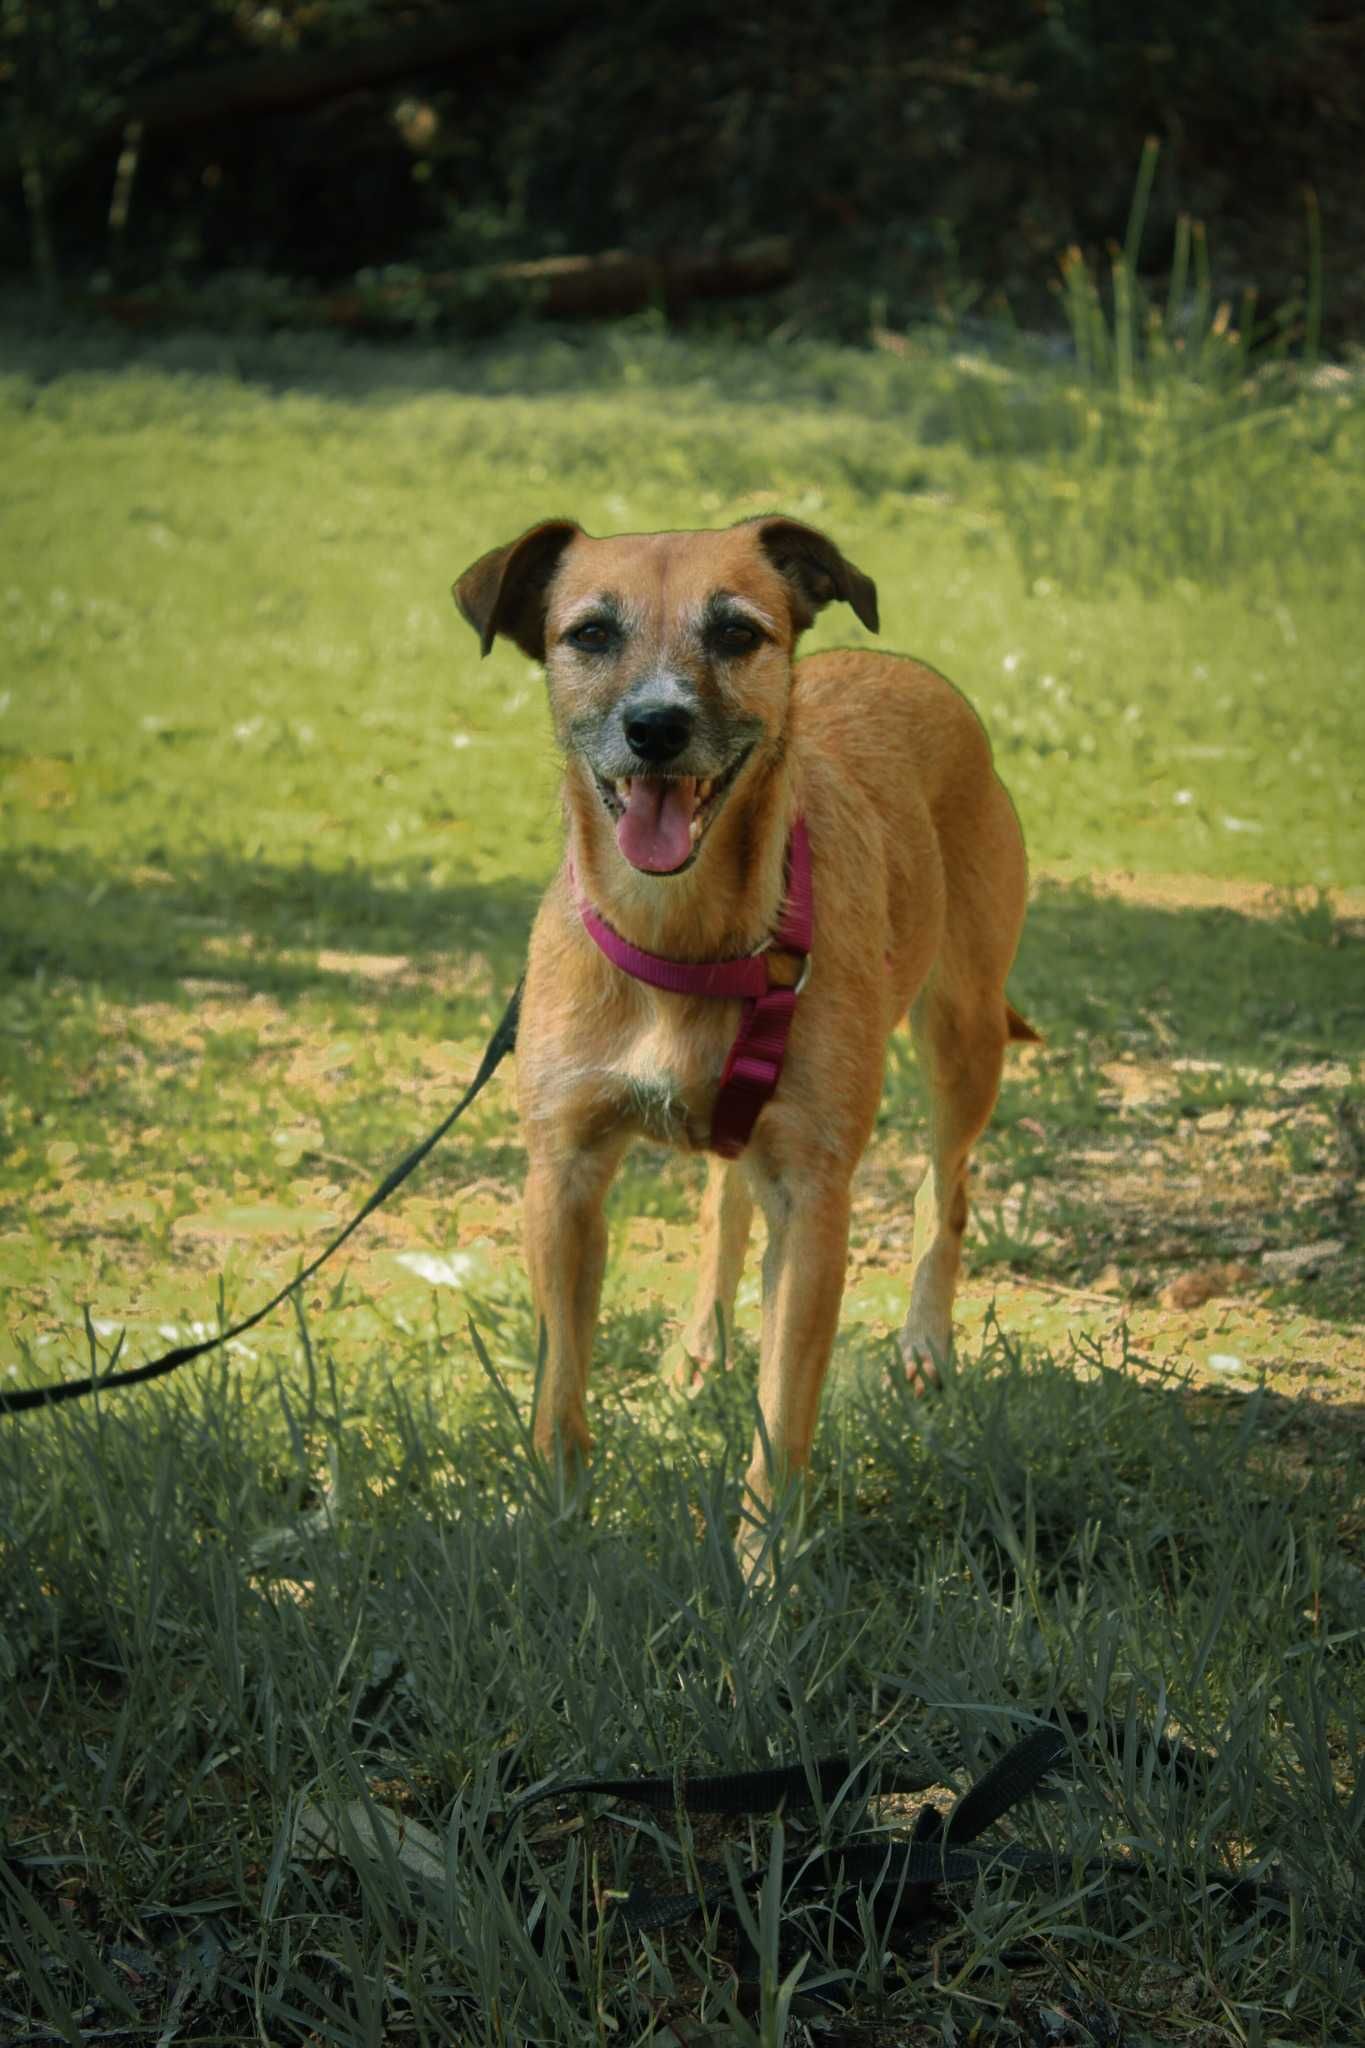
x=499, y=1045
x=900, y=1873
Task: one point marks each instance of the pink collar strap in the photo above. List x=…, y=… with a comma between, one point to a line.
x=768, y=983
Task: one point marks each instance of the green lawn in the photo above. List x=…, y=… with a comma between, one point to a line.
x=271, y=841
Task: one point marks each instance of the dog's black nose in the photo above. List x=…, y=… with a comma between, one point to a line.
x=659, y=733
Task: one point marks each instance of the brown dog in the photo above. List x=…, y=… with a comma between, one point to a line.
x=692, y=745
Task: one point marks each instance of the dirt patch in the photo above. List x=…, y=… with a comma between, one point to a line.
x=1207, y=892
x=1228, y=1238
x=1165, y=1205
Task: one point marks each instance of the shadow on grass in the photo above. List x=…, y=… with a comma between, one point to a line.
x=533, y=360
x=135, y=935
x=1207, y=983
x=1046, y=1541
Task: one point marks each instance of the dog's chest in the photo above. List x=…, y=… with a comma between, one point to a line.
x=663, y=1077
x=653, y=1067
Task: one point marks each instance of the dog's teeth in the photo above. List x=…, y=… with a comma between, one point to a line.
x=705, y=791
x=694, y=828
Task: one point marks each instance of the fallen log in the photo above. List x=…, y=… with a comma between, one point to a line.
x=599, y=287
x=619, y=281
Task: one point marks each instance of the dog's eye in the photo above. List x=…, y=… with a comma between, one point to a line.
x=735, y=638
x=592, y=636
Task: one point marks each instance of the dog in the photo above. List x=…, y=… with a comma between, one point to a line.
x=700, y=760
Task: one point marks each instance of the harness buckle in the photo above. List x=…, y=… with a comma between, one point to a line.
x=787, y=969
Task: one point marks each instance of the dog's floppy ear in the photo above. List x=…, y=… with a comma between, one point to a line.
x=505, y=590
x=816, y=572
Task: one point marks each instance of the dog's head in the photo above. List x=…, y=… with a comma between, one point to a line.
x=668, y=657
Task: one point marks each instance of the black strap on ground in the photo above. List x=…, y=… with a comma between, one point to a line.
x=939, y=1849
x=499, y=1045
x=1009, y=1779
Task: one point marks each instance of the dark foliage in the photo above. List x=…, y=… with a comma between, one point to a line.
x=921, y=156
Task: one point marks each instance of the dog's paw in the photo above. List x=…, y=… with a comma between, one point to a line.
x=682, y=1369
x=754, y=1554
x=694, y=1354
x=924, y=1358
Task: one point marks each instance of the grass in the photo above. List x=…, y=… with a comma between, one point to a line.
x=218, y=1624
x=271, y=841
x=1166, y=445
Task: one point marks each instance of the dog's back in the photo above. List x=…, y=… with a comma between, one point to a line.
x=895, y=765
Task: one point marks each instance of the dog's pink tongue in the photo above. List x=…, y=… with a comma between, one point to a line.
x=656, y=832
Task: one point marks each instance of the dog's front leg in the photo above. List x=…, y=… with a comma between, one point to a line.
x=566, y=1254
x=803, y=1285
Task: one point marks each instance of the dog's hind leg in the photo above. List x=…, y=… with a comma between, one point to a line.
x=961, y=1046
x=726, y=1215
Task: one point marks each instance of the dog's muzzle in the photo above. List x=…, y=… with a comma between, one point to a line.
x=661, y=820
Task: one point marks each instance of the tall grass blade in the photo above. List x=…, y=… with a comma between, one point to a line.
x=1312, y=340
x=1137, y=212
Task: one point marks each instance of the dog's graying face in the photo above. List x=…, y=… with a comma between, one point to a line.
x=668, y=657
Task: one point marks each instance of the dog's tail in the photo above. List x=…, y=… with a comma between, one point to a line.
x=1020, y=1028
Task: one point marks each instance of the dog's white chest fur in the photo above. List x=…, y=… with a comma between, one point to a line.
x=666, y=1079
x=658, y=1074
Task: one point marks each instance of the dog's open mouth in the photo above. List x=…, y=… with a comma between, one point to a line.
x=661, y=821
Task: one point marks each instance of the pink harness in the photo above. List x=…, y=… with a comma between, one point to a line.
x=754, y=1066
